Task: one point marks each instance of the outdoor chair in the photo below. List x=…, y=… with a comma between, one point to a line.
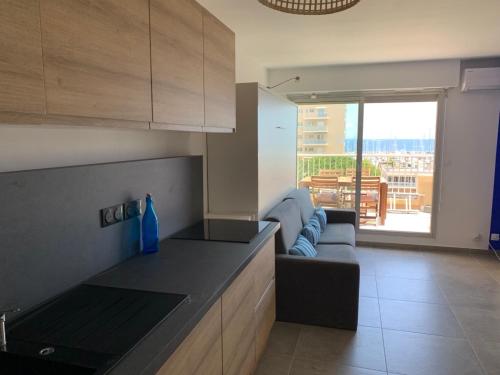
x=325, y=191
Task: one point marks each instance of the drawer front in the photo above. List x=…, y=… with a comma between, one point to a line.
x=238, y=325
x=201, y=352
x=264, y=268
x=265, y=314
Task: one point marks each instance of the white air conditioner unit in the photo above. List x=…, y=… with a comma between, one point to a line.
x=481, y=79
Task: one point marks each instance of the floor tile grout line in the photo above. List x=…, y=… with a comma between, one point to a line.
x=340, y=363
x=294, y=355
x=381, y=329
x=467, y=338
x=290, y=367
x=426, y=334
x=413, y=301
x=447, y=304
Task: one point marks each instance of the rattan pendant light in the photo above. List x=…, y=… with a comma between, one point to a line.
x=310, y=7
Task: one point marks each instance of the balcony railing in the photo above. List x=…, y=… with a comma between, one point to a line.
x=400, y=171
x=403, y=201
x=312, y=129
x=315, y=142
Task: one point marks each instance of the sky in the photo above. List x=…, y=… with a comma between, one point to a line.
x=393, y=120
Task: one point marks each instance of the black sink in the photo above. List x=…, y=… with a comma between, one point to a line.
x=14, y=364
x=88, y=328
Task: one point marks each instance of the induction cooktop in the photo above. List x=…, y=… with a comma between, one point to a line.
x=222, y=230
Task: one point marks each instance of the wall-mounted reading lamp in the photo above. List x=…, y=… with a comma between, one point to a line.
x=296, y=79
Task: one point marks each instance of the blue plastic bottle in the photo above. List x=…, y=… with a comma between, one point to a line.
x=150, y=241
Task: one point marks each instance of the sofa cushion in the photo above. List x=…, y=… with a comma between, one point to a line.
x=304, y=201
x=321, y=215
x=287, y=213
x=314, y=221
x=312, y=233
x=339, y=234
x=303, y=247
x=339, y=253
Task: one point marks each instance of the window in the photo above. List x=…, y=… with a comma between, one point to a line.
x=385, y=167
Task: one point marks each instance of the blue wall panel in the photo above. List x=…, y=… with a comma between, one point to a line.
x=495, y=211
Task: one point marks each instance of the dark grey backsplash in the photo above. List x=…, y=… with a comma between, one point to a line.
x=50, y=233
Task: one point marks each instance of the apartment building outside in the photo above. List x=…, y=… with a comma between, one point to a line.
x=321, y=129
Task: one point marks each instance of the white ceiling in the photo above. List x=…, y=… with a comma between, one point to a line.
x=372, y=31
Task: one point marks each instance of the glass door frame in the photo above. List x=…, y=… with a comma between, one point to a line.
x=362, y=98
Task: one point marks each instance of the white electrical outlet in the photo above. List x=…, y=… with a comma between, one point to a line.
x=495, y=237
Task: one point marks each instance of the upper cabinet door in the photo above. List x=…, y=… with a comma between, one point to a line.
x=220, y=86
x=21, y=66
x=177, y=62
x=97, y=58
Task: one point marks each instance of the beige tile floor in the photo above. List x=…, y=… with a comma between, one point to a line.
x=420, y=313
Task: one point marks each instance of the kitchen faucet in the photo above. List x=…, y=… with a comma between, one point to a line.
x=3, y=334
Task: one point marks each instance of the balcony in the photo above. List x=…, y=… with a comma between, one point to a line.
x=396, y=189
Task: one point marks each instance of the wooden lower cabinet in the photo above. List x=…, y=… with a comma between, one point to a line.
x=232, y=336
x=238, y=325
x=265, y=315
x=201, y=352
x=264, y=270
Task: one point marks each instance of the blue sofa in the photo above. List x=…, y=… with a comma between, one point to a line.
x=322, y=290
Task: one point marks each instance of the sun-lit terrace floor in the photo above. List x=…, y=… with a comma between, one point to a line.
x=419, y=222
x=420, y=313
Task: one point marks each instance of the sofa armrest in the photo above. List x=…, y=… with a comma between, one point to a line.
x=318, y=291
x=336, y=216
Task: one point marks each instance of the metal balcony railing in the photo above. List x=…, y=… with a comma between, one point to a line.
x=399, y=170
x=322, y=142
x=310, y=129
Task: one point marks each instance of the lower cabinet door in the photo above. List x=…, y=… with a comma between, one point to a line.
x=238, y=325
x=264, y=265
x=201, y=352
x=265, y=313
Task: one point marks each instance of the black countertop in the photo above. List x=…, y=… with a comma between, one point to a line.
x=201, y=269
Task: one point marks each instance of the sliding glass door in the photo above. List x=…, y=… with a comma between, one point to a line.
x=399, y=140
x=377, y=155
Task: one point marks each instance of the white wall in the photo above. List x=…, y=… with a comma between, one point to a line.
x=250, y=171
x=33, y=147
x=469, y=149
x=407, y=75
x=277, y=157
x=248, y=69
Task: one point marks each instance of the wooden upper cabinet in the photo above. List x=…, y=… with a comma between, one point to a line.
x=220, y=87
x=97, y=58
x=21, y=66
x=177, y=62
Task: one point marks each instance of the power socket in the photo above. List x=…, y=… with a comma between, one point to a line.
x=495, y=237
x=132, y=209
x=111, y=215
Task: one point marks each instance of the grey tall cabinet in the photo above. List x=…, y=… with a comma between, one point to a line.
x=253, y=169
